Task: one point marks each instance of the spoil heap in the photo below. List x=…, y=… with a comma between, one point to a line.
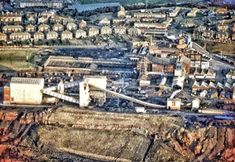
x=84, y=135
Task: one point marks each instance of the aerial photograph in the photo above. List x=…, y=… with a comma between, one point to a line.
x=117, y=80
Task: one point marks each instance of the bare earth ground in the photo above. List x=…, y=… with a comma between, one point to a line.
x=72, y=134
x=228, y=48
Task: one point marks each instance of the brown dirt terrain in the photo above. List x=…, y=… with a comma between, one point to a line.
x=71, y=134
x=228, y=48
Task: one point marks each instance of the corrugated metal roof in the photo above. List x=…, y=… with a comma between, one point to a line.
x=161, y=61
x=27, y=80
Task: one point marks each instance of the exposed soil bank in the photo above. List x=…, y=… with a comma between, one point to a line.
x=83, y=135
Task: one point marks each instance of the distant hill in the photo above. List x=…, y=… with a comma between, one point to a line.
x=136, y=1
x=221, y=2
x=213, y=2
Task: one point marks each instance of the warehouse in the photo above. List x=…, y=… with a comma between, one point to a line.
x=26, y=90
x=57, y=4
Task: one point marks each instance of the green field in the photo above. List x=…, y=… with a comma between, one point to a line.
x=16, y=59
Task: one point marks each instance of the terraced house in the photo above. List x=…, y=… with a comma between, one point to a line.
x=120, y=30
x=93, y=32
x=60, y=19
x=38, y=36
x=10, y=17
x=3, y=37
x=12, y=28
x=80, y=34
x=58, y=27
x=22, y=36
x=82, y=24
x=140, y=15
x=30, y=28
x=66, y=35
x=106, y=30
x=71, y=26
x=52, y=35
x=43, y=28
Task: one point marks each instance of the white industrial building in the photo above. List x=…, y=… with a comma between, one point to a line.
x=57, y=4
x=91, y=86
x=178, y=82
x=84, y=94
x=26, y=90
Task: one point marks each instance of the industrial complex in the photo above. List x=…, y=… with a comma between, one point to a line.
x=142, y=82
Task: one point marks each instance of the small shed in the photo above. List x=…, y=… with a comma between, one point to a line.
x=196, y=103
x=26, y=90
x=140, y=110
x=143, y=83
x=174, y=103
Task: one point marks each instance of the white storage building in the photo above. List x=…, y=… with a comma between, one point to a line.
x=26, y=90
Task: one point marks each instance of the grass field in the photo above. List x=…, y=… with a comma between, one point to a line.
x=225, y=48
x=16, y=59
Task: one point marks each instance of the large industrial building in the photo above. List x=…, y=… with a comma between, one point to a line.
x=26, y=90
x=40, y=3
